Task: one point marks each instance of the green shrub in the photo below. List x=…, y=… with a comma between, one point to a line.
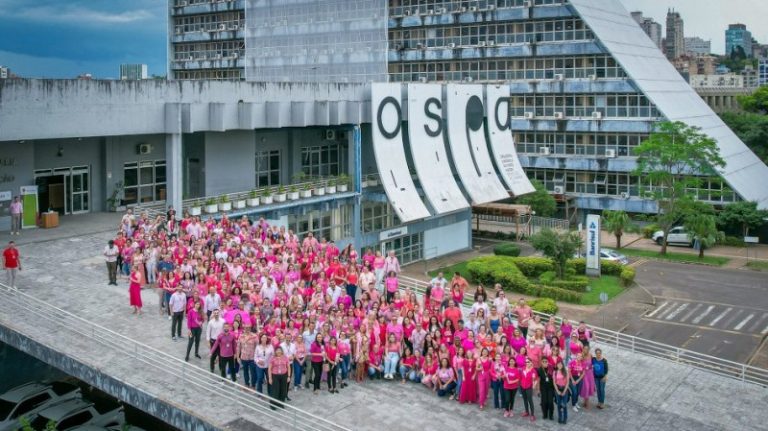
x=627, y=275
x=533, y=266
x=608, y=267
x=489, y=270
x=649, y=230
x=733, y=241
x=507, y=249
x=547, y=278
x=544, y=305
x=578, y=265
x=555, y=293
x=576, y=284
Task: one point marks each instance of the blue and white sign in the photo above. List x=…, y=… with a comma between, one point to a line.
x=593, y=245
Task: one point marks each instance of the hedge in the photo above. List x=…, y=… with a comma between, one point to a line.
x=498, y=269
x=555, y=293
x=544, y=305
x=607, y=267
x=649, y=230
x=578, y=265
x=627, y=276
x=576, y=283
x=532, y=266
x=507, y=249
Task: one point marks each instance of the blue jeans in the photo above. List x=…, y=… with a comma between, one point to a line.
x=446, y=390
x=404, y=371
x=390, y=362
x=562, y=407
x=497, y=386
x=261, y=376
x=344, y=365
x=414, y=376
x=459, y=379
x=575, y=389
x=249, y=372
x=298, y=370
x=600, y=386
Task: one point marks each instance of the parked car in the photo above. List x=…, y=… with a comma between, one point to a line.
x=677, y=236
x=609, y=254
x=77, y=412
x=29, y=399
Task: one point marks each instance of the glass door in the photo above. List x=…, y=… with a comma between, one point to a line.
x=79, y=190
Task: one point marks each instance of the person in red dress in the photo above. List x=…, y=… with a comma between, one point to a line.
x=134, y=290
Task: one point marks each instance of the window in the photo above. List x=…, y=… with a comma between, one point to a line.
x=267, y=168
x=144, y=182
x=378, y=216
x=332, y=225
x=407, y=249
x=322, y=160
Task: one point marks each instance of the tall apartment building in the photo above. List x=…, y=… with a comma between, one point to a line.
x=650, y=27
x=133, y=72
x=577, y=106
x=762, y=71
x=697, y=46
x=737, y=36
x=674, y=45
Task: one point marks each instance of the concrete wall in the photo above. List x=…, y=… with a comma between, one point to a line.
x=230, y=162
x=15, y=171
x=447, y=239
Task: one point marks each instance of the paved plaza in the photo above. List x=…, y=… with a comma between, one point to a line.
x=643, y=393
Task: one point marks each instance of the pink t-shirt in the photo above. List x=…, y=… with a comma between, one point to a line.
x=512, y=374
x=391, y=284
x=527, y=377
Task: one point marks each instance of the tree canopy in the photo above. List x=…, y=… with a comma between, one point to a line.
x=743, y=214
x=557, y=246
x=540, y=201
x=756, y=102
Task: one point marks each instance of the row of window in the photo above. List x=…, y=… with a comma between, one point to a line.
x=209, y=74
x=311, y=11
x=180, y=3
x=416, y=7
x=332, y=225
x=583, y=105
x=208, y=50
x=144, y=182
x=577, y=143
x=224, y=21
x=377, y=216
x=316, y=161
x=621, y=184
x=490, y=34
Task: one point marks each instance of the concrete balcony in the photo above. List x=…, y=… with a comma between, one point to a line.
x=209, y=35
x=573, y=85
x=487, y=49
x=182, y=7
x=573, y=162
x=429, y=15
x=215, y=63
x=580, y=124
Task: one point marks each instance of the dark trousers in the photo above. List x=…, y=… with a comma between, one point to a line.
x=112, y=271
x=227, y=363
x=214, y=355
x=194, y=339
x=317, y=373
x=447, y=389
x=600, y=386
x=352, y=291
x=575, y=390
x=390, y=297
x=334, y=369
x=497, y=387
x=562, y=406
x=249, y=372
x=528, y=400
x=547, y=403
x=261, y=377
x=509, y=399
x=279, y=388
x=176, y=321
x=524, y=330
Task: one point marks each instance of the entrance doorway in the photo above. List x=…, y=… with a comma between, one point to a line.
x=64, y=190
x=408, y=248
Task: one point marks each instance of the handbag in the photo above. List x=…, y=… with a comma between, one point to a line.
x=326, y=367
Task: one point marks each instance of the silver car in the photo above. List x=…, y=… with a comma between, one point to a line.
x=29, y=399
x=74, y=413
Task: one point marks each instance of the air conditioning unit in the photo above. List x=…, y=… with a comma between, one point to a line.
x=407, y=11
x=430, y=11
x=482, y=43
x=559, y=115
x=420, y=46
x=597, y=115
x=444, y=10
x=491, y=42
x=624, y=195
x=473, y=8
x=235, y=55
x=330, y=135
x=222, y=27
x=451, y=45
x=234, y=27
x=143, y=149
x=528, y=3
x=559, y=77
x=610, y=153
x=423, y=79
x=593, y=77
x=491, y=7
x=463, y=9
x=559, y=190
x=529, y=115
x=544, y=151
x=218, y=56
x=181, y=4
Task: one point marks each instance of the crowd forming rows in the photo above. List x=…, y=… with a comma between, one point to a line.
x=282, y=311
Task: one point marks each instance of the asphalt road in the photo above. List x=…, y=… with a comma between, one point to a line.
x=719, y=312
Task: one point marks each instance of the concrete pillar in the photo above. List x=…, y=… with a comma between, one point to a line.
x=356, y=174
x=173, y=162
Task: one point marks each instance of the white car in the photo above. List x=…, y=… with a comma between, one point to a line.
x=77, y=412
x=609, y=254
x=29, y=399
x=677, y=236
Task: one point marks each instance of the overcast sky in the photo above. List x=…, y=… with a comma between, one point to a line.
x=708, y=19
x=64, y=38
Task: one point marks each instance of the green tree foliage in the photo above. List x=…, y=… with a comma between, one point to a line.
x=557, y=246
x=743, y=214
x=752, y=129
x=756, y=102
x=703, y=228
x=666, y=161
x=540, y=201
x=616, y=222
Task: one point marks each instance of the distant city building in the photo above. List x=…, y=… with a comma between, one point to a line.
x=85, y=76
x=4, y=72
x=696, y=65
x=762, y=71
x=697, y=46
x=674, y=46
x=723, y=99
x=737, y=36
x=730, y=80
x=722, y=69
x=650, y=27
x=750, y=77
x=133, y=72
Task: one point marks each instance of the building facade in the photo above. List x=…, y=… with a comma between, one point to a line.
x=697, y=46
x=650, y=27
x=730, y=80
x=133, y=72
x=674, y=43
x=762, y=71
x=738, y=37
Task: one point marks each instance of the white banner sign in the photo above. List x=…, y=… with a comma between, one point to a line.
x=393, y=233
x=593, y=245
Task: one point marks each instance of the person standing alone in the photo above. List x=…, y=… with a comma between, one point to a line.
x=111, y=251
x=16, y=214
x=177, y=304
x=11, y=263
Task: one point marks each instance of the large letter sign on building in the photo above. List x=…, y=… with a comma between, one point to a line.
x=593, y=245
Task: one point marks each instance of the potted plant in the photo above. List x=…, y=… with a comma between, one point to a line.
x=319, y=189
x=373, y=181
x=364, y=183
x=293, y=192
x=306, y=191
x=211, y=207
x=343, y=182
x=280, y=195
x=330, y=186
x=239, y=203
x=253, y=199
x=266, y=196
x=225, y=204
x=114, y=200
x=196, y=209
x=299, y=177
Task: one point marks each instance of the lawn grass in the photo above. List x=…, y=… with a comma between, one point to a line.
x=757, y=265
x=676, y=257
x=448, y=271
x=607, y=283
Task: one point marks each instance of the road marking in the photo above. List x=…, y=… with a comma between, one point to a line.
x=657, y=310
x=690, y=313
x=703, y=315
x=733, y=318
x=669, y=309
x=756, y=323
x=672, y=315
x=764, y=331
x=718, y=318
x=743, y=322
x=700, y=327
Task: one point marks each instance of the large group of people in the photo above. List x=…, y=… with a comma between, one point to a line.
x=282, y=312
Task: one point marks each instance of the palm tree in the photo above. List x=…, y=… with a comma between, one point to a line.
x=703, y=228
x=616, y=222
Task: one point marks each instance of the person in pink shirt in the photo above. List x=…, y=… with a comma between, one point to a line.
x=511, y=384
x=528, y=377
x=375, y=367
x=392, y=356
x=468, y=392
x=497, y=382
x=391, y=284
x=278, y=376
x=576, y=371
x=378, y=270
x=332, y=359
x=483, y=373
x=195, y=327
x=445, y=379
x=524, y=314
x=226, y=344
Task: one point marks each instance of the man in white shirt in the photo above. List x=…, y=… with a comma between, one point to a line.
x=16, y=210
x=480, y=305
x=439, y=281
x=110, y=255
x=391, y=264
x=177, y=304
x=212, y=301
x=334, y=290
x=213, y=329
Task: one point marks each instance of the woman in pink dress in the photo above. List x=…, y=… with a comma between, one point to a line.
x=483, y=368
x=134, y=290
x=588, y=387
x=468, y=393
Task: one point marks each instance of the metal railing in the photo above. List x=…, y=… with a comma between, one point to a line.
x=723, y=367
x=48, y=319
